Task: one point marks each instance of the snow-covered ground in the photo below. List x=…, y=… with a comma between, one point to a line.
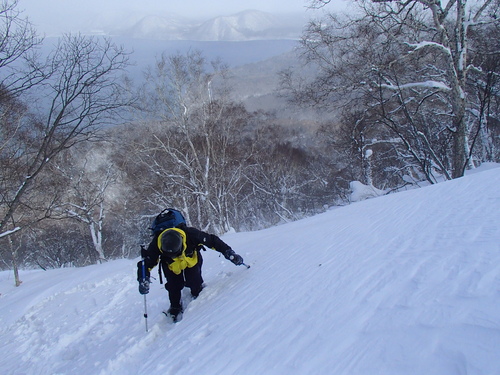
x=407, y=283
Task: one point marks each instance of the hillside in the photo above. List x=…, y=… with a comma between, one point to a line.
x=407, y=283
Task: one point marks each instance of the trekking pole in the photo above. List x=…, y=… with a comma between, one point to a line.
x=246, y=265
x=145, y=303
x=146, y=312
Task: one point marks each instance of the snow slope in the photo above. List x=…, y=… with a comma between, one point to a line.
x=407, y=283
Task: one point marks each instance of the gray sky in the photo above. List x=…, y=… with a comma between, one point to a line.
x=74, y=15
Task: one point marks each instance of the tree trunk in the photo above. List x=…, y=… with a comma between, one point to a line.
x=97, y=241
x=15, y=266
x=460, y=147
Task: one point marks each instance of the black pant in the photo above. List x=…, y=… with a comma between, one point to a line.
x=190, y=277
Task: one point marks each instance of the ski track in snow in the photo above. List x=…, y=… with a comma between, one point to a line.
x=80, y=327
x=403, y=284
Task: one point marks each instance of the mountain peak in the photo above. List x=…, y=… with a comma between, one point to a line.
x=245, y=25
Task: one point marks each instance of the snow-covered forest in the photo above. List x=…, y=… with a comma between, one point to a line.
x=405, y=95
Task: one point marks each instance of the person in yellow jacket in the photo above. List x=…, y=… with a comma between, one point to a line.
x=177, y=250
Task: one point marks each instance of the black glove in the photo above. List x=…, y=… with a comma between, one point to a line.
x=144, y=286
x=233, y=257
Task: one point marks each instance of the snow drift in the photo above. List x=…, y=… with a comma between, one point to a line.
x=407, y=283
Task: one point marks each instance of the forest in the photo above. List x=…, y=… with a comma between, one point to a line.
x=408, y=93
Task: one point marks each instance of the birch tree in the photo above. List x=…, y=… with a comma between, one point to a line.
x=406, y=63
x=193, y=154
x=87, y=201
x=449, y=41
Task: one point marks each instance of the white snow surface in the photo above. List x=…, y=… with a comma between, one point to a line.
x=407, y=283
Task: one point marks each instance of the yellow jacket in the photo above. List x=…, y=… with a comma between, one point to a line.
x=183, y=261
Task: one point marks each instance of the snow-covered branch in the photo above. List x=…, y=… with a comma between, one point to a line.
x=425, y=84
x=429, y=44
x=9, y=232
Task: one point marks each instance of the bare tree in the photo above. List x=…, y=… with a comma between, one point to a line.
x=87, y=197
x=286, y=179
x=82, y=92
x=60, y=244
x=484, y=84
x=194, y=153
x=406, y=63
x=19, y=67
x=450, y=43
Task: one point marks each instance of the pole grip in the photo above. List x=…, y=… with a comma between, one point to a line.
x=143, y=270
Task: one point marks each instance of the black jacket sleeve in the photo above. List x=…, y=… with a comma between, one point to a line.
x=151, y=258
x=196, y=237
x=152, y=253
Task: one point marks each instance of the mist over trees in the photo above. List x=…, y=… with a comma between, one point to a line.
x=407, y=91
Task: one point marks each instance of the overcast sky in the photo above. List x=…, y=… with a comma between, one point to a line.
x=183, y=7
x=73, y=15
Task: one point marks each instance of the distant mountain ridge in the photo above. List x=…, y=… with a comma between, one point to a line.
x=242, y=26
x=150, y=27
